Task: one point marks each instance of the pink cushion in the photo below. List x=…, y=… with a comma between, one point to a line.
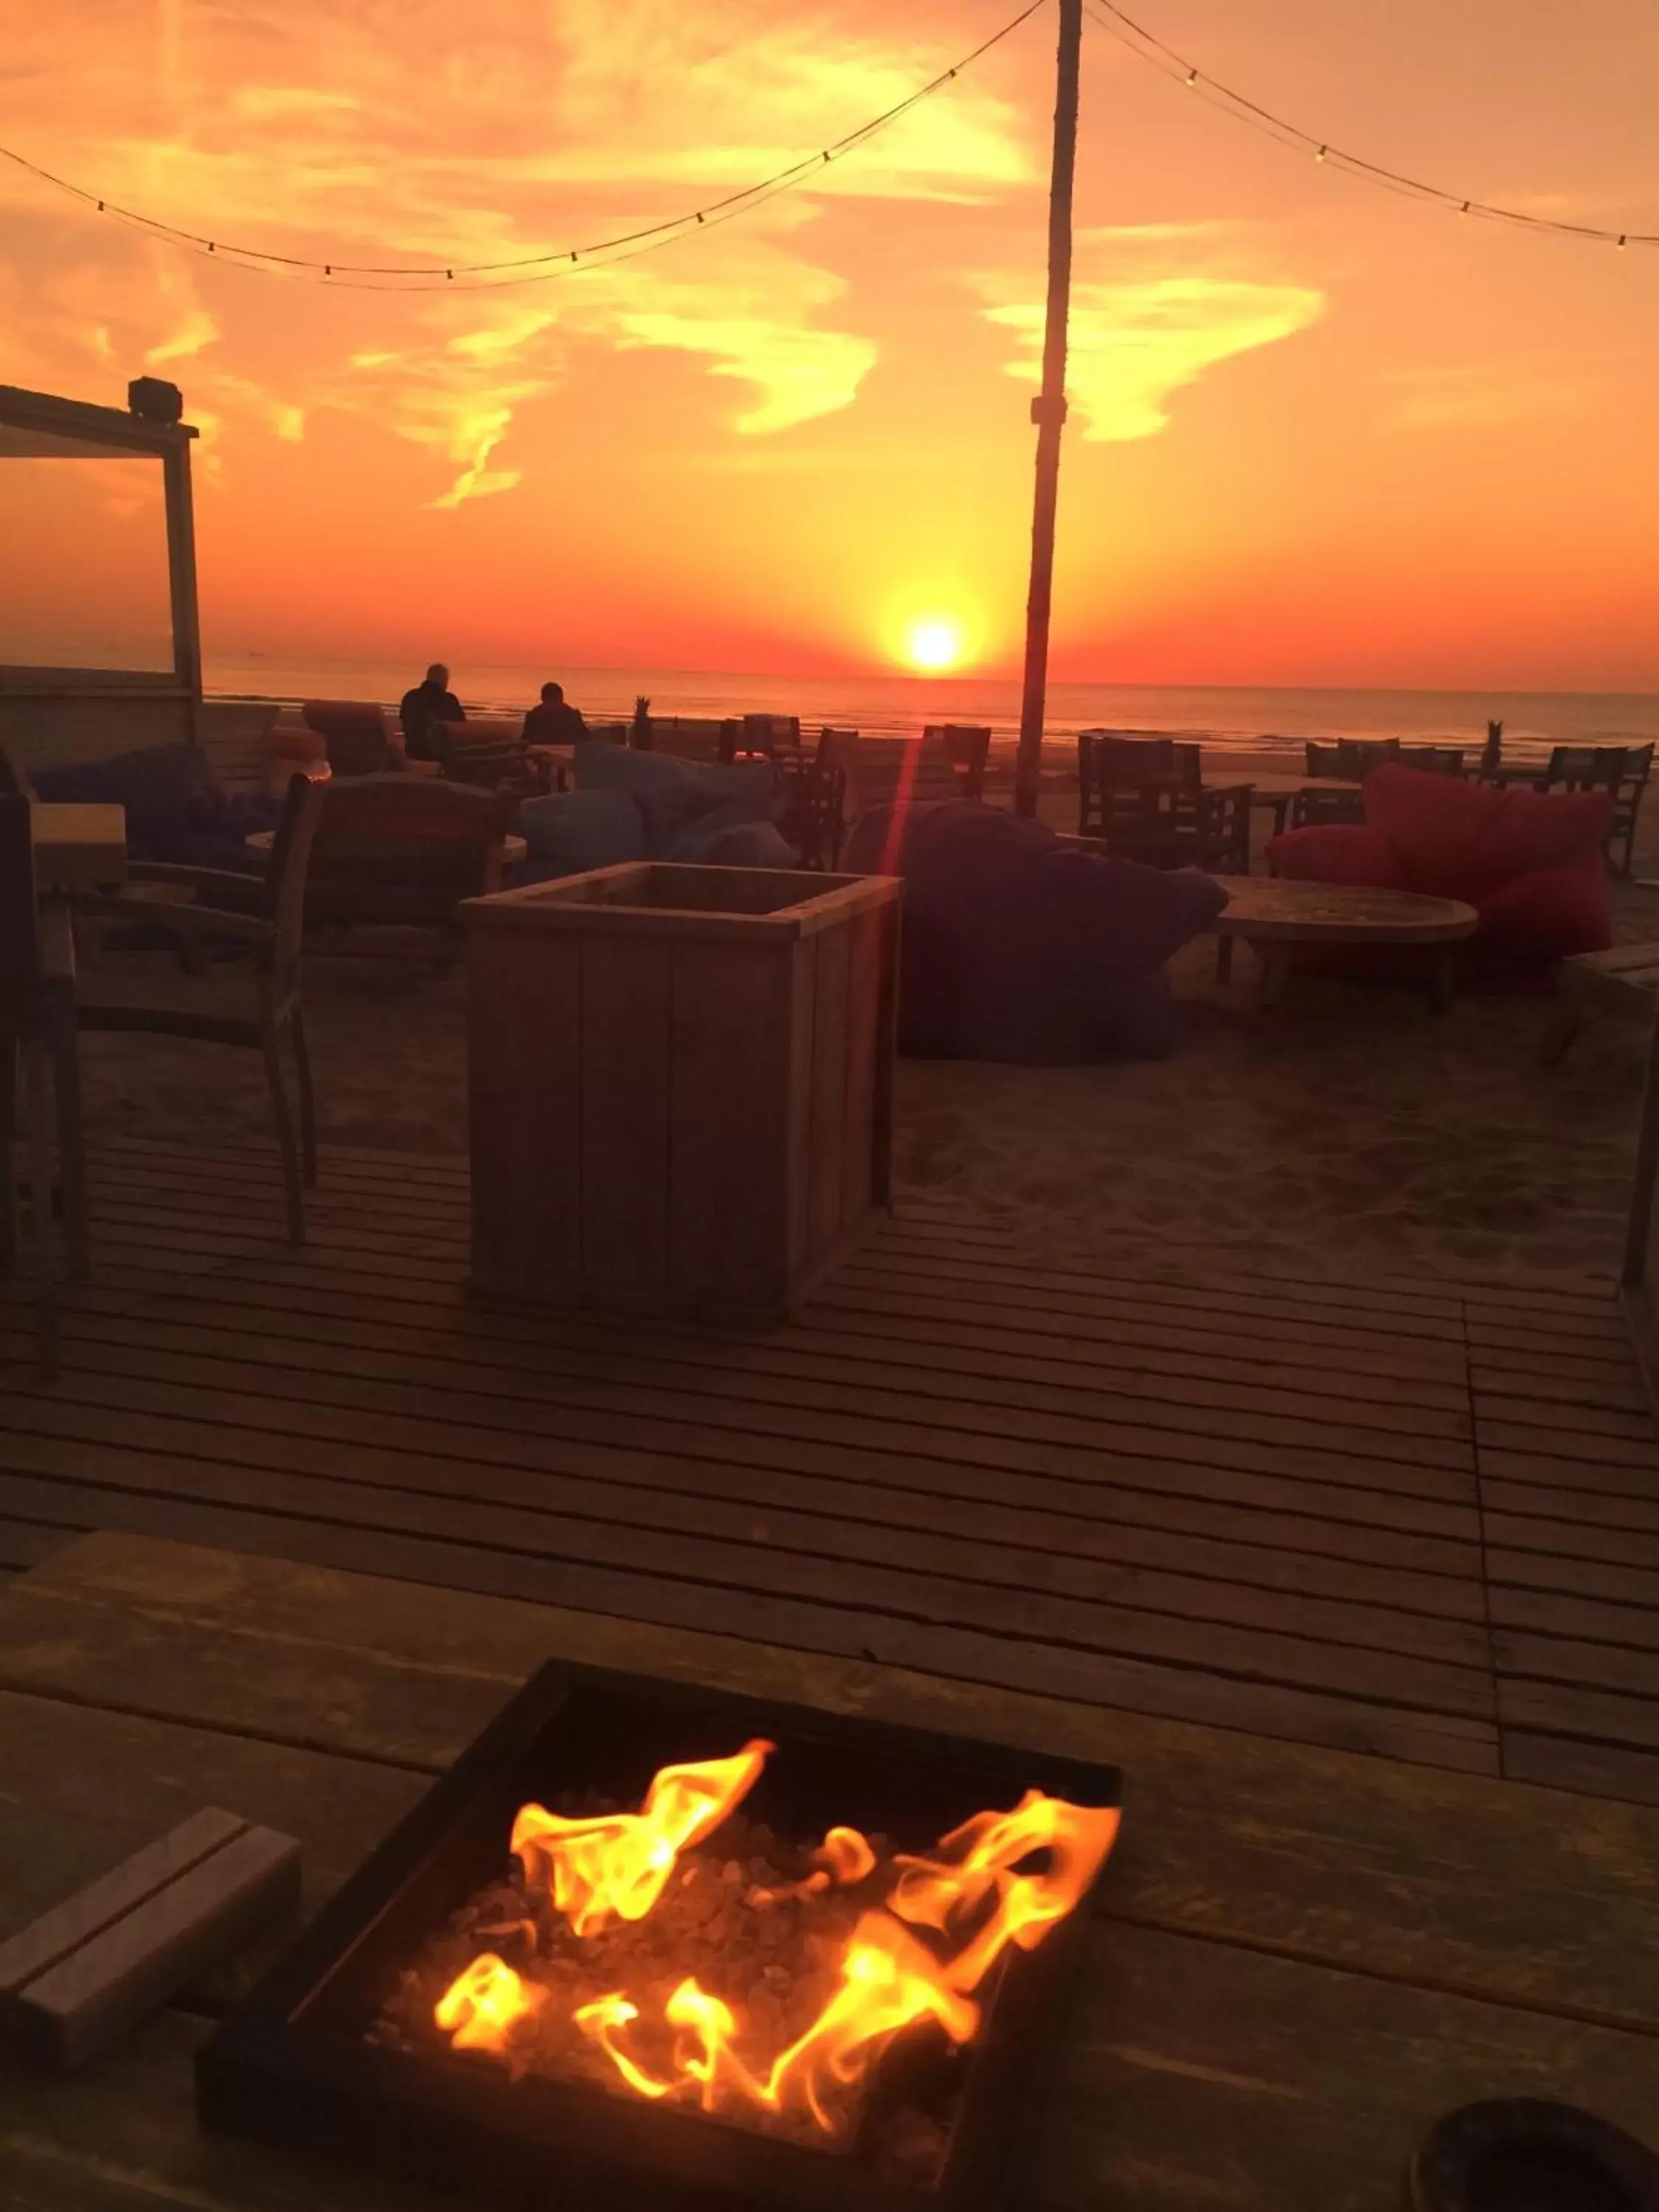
x=1337, y=852
x=1549, y=913
x=1457, y=840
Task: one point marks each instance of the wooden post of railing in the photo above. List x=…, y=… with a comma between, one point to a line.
x=1049, y=412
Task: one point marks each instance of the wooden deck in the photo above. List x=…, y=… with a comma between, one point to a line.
x=1421, y=1521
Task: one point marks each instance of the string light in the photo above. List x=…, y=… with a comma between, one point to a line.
x=533, y=268
x=1152, y=48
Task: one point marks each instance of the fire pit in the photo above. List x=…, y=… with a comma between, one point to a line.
x=648, y=1937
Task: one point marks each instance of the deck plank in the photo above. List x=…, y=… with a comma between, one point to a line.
x=1417, y=1519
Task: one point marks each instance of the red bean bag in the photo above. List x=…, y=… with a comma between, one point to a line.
x=1532, y=864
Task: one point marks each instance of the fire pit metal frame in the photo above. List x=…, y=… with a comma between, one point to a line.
x=282, y=2070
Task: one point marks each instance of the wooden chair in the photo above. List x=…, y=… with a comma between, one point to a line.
x=1433, y=760
x=967, y=749
x=815, y=822
x=1622, y=771
x=746, y=737
x=1352, y=758
x=1211, y=829
x=903, y=771
x=37, y=1045
x=1313, y=809
x=400, y=852
x=1125, y=790
x=356, y=734
x=487, y=757
x=267, y=916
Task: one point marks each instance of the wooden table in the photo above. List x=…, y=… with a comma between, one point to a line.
x=1275, y=916
x=1303, y=1955
x=78, y=847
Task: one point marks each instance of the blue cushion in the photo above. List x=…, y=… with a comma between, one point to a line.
x=741, y=845
x=158, y=785
x=619, y=767
x=570, y=832
x=677, y=815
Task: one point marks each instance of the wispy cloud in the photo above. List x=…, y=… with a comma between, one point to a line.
x=1170, y=304
x=302, y=126
x=1493, y=394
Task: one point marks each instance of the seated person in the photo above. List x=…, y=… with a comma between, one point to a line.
x=554, y=722
x=428, y=703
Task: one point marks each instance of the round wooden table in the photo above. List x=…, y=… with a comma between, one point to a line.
x=1274, y=915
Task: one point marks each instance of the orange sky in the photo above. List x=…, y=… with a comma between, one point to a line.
x=1319, y=434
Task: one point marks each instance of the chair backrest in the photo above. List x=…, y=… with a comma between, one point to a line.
x=1314, y=808
x=967, y=746
x=916, y=770
x=19, y=924
x=482, y=753
x=817, y=809
x=1434, y=760
x=356, y=732
x=1590, y=767
x=1352, y=758
x=839, y=746
x=406, y=848
x=750, y=734
x=285, y=879
x=1189, y=763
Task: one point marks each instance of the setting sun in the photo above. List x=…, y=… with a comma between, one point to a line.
x=934, y=645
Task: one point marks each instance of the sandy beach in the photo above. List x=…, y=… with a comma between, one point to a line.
x=1356, y=1132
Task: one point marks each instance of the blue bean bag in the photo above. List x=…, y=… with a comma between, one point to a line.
x=1019, y=946
x=631, y=805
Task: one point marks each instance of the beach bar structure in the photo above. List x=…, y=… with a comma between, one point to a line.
x=61, y=714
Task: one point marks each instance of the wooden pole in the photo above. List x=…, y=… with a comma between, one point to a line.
x=1049, y=412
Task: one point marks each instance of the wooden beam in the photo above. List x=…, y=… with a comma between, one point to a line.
x=1048, y=411
x=181, y=571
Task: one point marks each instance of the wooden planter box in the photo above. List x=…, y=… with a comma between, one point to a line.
x=681, y=1084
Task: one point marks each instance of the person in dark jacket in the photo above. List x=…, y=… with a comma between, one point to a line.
x=428, y=703
x=554, y=722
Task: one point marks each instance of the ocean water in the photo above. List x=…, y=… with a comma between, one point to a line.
x=1228, y=718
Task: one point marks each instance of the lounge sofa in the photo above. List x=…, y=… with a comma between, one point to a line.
x=1021, y=945
x=1531, y=863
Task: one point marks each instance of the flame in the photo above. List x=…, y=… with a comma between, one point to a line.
x=620, y=1863
x=975, y=1897
x=940, y=1893
x=888, y=1981
x=848, y=1855
x=844, y=1856
x=484, y=2004
x=601, y=2020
